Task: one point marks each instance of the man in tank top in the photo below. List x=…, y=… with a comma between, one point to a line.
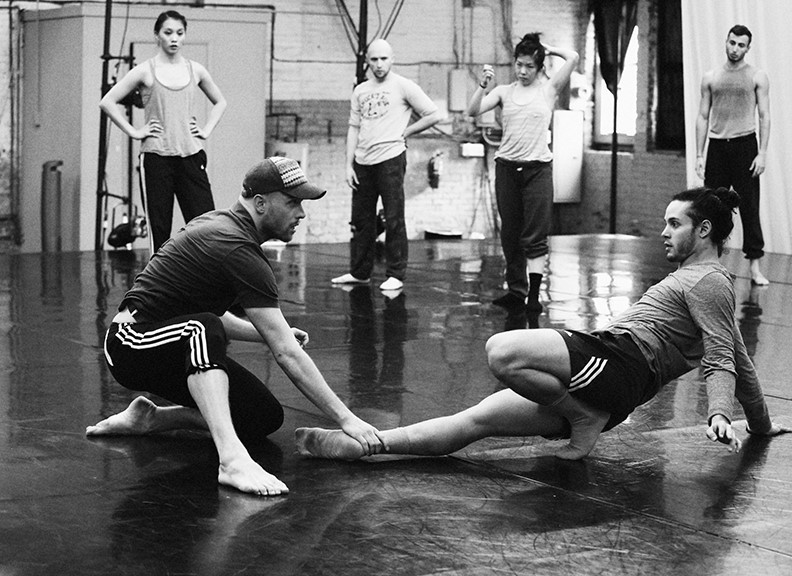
x=731, y=96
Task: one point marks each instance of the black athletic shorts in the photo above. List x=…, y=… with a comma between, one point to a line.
x=609, y=372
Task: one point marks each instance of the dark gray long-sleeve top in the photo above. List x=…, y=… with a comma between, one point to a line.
x=689, y=318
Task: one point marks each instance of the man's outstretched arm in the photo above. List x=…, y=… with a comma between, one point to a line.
x=243, y=330
x=302, y=371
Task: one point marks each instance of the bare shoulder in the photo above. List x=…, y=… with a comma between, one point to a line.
x=708, y=77
x=499, y=91
x=199, y=70
x=141, y=74
x=760, y=77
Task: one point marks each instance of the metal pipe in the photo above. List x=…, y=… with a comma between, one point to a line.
x=362, y=44
x=100, y=171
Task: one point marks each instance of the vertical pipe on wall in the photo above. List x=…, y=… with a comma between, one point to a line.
x=362, y=43
x=100, y=172
x=130, y=147
x=14, y=64
x=272, y=61
x=614, y=194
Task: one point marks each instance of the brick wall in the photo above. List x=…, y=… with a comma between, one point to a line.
x=645, y=183
x=314, y=68
x=461, y=203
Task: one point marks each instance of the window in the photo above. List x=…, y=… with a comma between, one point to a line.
x=627, y=102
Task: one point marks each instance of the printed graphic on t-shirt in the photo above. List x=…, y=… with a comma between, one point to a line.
x=374, y=105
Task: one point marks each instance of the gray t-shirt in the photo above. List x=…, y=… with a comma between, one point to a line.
x=382, y=111
x=213, y=262
x=689, y=318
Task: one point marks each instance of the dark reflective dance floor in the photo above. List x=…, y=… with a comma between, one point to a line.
x=655, y=497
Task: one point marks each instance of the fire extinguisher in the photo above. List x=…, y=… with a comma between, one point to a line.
x=435, y=168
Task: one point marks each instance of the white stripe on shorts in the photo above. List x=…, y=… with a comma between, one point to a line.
x=588, y=373
x=199, y=351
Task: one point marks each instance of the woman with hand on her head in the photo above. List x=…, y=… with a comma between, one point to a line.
x=173, y=160
x=523, y=163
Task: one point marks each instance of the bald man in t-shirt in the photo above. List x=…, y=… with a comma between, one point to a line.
x=379, y=125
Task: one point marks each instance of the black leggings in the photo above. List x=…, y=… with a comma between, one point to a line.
x=158, y=357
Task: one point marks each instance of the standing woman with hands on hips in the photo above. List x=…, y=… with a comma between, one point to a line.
x=173, y=160
x=523, y=163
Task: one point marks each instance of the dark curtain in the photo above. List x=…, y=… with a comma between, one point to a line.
x=669, y=122
x=614, y=21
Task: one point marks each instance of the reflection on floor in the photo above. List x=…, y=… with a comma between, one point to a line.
x=653, y=498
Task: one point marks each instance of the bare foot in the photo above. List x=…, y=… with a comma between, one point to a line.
x=586, y=425
x=758, y=279
x=135, y=420
x=246, y=475
x=334, y=444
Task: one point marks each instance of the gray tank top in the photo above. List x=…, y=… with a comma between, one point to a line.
x=525, y=129
x=173, y=107
x=733, y=108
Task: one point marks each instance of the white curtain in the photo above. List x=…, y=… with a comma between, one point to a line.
x=705, y=24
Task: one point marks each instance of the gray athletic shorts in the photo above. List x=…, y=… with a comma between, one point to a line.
x=609, y=372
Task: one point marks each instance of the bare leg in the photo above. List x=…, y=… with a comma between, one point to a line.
x=237, y=468
x=533, y=363
x=536, y=265
x=536, y=365
x=142, y=416
x=504, y=413
x=756, y=275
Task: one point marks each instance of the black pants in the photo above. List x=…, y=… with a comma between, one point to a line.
x=524, y=191
x=384, y=180
x=158, y=357
x=729, y=165
x=162, y=178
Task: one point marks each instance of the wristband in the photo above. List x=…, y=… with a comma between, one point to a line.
x=482, y=86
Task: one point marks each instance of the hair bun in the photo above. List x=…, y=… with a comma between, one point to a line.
x=532, y=38
x=729, y=197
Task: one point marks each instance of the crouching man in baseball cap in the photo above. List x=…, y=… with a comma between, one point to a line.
x=172, y=328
